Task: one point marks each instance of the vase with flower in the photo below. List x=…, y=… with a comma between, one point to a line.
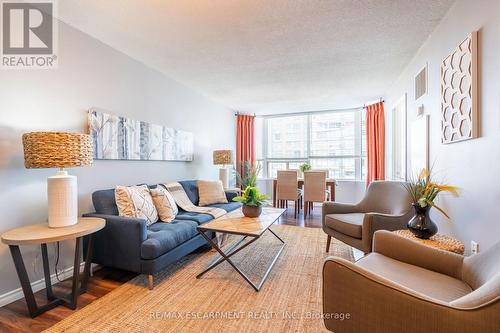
x=423, y=191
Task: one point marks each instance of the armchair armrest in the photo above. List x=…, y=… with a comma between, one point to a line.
x=414, y=253
x=378, y=221
x=377, y=304
x=330, y=207
x=118, y=244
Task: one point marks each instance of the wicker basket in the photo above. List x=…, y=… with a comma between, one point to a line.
x=57, y=150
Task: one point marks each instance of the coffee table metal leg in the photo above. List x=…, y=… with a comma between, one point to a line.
x=229, y=254
x=276, y=236
x=220, y=259
x=226, y=257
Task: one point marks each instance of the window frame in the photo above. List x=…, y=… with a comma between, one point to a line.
x=358, y=156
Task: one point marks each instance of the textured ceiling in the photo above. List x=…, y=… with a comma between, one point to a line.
x=267, y=56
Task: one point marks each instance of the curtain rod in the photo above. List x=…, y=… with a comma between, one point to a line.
x=305, y=112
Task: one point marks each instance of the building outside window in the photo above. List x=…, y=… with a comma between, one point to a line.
x=328, y=140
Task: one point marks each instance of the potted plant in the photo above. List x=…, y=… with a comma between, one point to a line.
x=252, y=201
x=304, y=167
x=248, y=175
x=423, y=192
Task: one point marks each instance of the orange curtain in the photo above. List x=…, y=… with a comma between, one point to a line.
x=375, y=137
x=245, y=145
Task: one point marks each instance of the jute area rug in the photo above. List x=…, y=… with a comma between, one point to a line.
x=221, y=301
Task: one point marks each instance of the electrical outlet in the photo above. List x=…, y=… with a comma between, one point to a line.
x=474, y=247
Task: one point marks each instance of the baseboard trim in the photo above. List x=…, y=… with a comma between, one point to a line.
x=16, y=294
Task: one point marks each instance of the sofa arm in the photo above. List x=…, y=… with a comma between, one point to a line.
x=230, y=195
x=118, y=244
x=376, y=304
x=417, y=254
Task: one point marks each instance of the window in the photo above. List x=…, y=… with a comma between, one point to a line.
x=332, y=141
x=287, y=137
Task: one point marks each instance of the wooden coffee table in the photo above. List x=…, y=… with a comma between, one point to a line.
x=235, y=223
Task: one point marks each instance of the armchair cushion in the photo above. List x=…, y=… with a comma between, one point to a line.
x=348, y=224
x=436, y=285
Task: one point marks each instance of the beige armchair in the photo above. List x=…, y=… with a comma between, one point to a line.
x=386, y=206
x=405, y=286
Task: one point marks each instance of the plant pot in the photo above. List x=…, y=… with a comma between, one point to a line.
x=421, y=224
x=251, y=211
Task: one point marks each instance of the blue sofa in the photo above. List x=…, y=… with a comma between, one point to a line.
x=128, y=244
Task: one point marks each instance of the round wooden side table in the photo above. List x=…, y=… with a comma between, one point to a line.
x=439, y=241
x=42, y=234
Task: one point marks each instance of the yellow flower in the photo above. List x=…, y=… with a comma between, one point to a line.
x=447, y=188
x=423, y=174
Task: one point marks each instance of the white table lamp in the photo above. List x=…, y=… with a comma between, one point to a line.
x=59, y=150
x=223, y=158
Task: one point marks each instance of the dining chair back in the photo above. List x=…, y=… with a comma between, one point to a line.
x=287, y=185
x=314, y=186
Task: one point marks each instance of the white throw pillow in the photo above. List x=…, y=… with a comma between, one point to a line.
x=211, y=192
x=136, y=201
x=164, y=203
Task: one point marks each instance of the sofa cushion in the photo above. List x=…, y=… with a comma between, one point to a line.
x=164, y=203
x=104, y=202
x=197, y=217
x=136, y=201
x=191, y=189
x=228, y=207
x=430, y=283
x=211, y=192
x=163, y=237
x=348, y=224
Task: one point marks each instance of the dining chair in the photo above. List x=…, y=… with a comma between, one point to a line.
x=314, y=189
x=287, y=189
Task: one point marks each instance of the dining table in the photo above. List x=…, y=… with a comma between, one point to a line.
x=329, y=183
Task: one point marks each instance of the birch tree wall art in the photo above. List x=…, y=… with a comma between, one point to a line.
x=121, y=138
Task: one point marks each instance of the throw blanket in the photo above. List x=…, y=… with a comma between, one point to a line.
x=182, y=200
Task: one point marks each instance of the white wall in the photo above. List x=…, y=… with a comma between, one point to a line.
x=472, y=165
x=93, y=74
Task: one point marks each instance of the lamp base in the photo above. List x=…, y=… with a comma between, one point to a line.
x=62, y=192
x=224, y=177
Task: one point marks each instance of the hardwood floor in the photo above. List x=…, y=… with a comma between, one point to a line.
x=14, y=317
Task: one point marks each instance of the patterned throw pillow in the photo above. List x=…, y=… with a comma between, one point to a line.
x=136, y=201
x=164, y=203
x=211, y=192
